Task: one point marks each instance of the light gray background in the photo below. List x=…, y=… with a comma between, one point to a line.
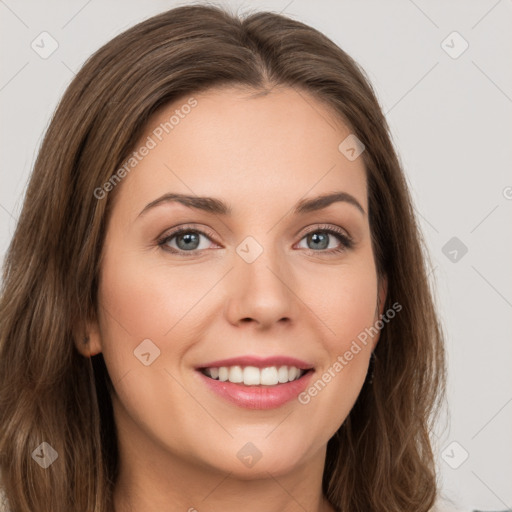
x=451, y=120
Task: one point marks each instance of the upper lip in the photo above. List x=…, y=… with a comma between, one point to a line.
x=258, y=362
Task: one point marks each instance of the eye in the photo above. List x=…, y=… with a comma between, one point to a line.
x=185, y=239
x=323, y=239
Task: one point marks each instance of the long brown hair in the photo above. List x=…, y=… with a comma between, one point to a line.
x=381, y=457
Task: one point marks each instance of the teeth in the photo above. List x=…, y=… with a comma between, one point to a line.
x=252, y=376
x=269, y=376
x=282, y=374
x=235, y=374
x=293, y=373
x=223, y=373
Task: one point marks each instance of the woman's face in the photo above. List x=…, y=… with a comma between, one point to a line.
x=259, y=271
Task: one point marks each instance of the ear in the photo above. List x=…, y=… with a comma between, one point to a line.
x=88, y=340
x=382, y=293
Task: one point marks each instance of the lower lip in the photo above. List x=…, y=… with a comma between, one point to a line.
x=258, y=397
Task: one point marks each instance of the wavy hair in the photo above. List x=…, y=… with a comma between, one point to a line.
x=381, y=458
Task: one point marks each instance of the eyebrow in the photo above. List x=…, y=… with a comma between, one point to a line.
x=218, y=207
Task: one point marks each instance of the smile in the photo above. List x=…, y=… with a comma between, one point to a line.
x=253, y=376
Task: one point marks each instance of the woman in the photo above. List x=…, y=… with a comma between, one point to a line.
x=216, y=295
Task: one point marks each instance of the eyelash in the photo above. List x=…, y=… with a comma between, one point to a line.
x=346, y=241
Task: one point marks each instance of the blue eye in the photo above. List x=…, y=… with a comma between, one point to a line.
x=187, y=240
x=320, y=238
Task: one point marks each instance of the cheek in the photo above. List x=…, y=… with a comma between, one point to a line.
x=149, y=301
x=343, y=299
x=356, y=302
x=144, y=302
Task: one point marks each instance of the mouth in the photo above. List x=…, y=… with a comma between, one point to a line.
x=255, y=376
x=254, y=383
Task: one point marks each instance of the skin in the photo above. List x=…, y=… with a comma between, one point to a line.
x=178, y=441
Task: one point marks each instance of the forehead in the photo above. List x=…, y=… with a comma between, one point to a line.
x=247, y=147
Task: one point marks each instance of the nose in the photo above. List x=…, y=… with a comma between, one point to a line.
x=262, y=292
